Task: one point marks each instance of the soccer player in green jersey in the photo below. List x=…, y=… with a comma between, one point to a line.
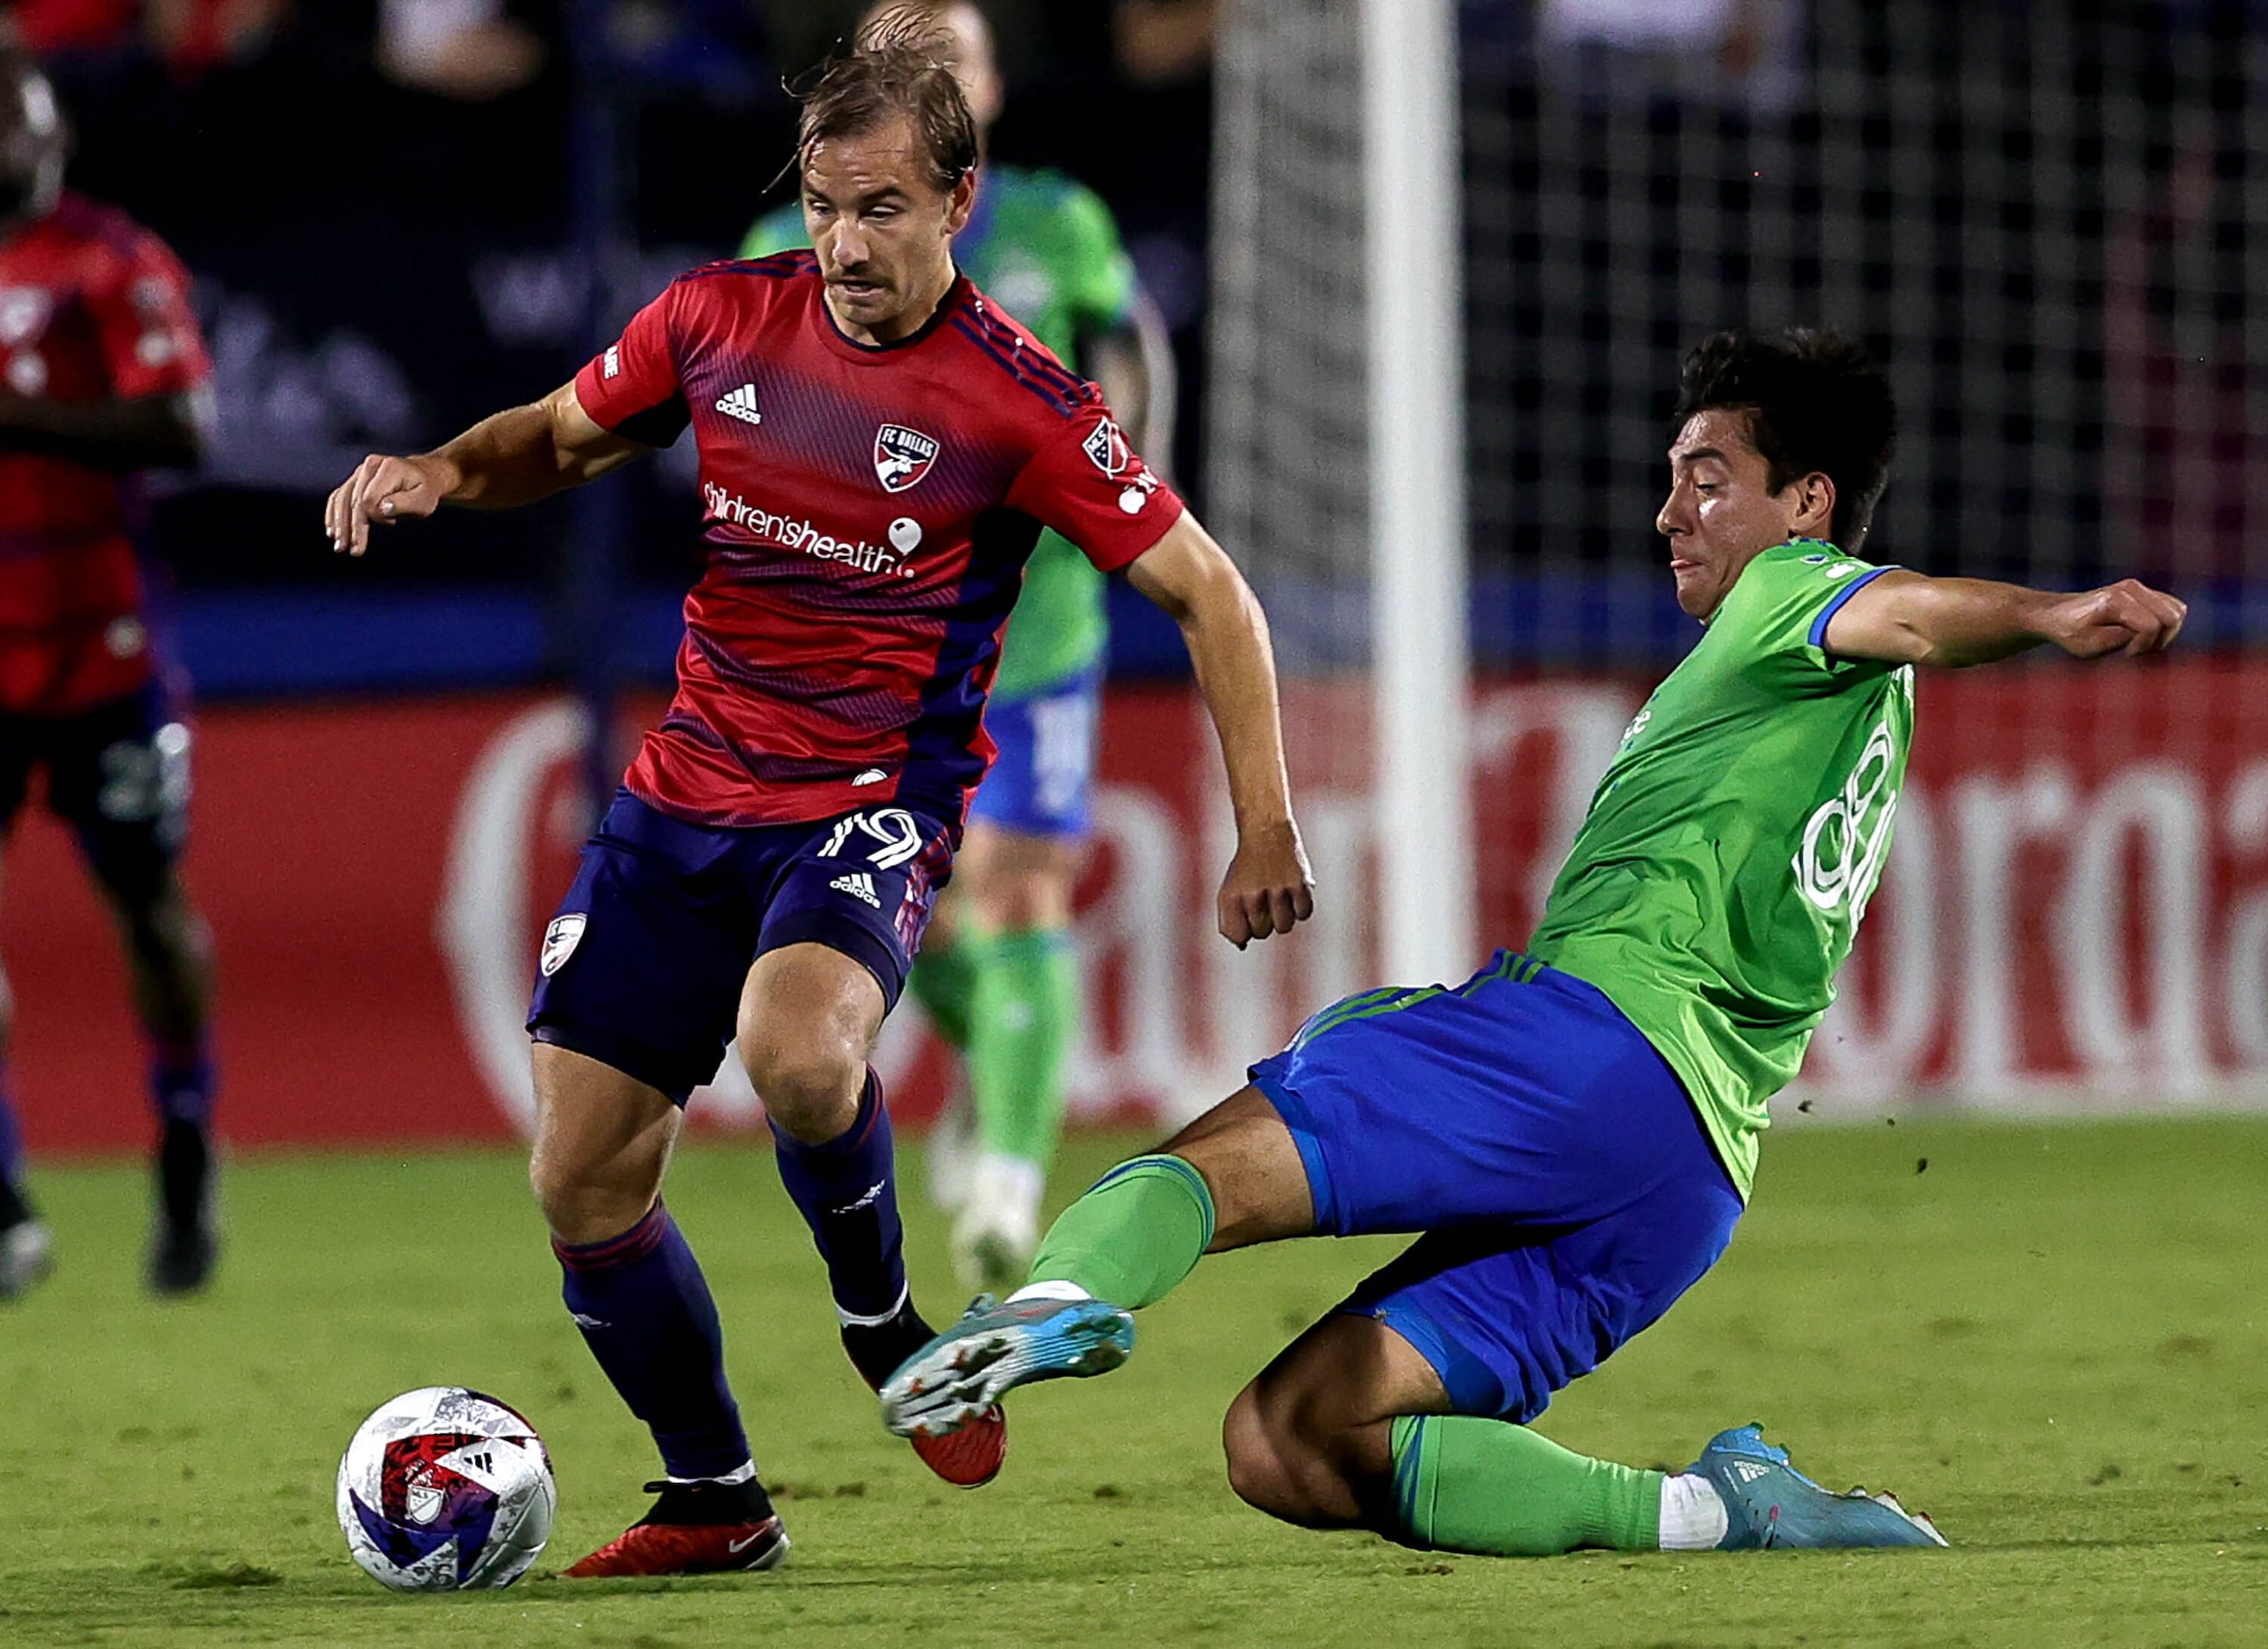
x=997, y=975
x=1574, y=1129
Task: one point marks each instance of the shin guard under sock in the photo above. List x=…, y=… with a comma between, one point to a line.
x=646, y=1312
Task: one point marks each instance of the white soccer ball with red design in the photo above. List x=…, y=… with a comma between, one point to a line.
x=444, y=1489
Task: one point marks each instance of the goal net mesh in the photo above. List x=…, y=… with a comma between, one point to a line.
x=2049, y=224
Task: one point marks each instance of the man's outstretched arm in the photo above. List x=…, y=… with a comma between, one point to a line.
x=518, y=456
x=1269, y=888
x=1903, y=617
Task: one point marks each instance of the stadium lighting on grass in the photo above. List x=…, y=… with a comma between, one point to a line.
x=1421, y=655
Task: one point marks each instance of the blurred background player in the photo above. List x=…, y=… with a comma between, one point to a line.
x=101, y=363
x=997, y=976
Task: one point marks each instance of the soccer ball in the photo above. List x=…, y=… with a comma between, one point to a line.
x=444, y=1489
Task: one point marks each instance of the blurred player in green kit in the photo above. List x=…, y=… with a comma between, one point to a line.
x=996, y=973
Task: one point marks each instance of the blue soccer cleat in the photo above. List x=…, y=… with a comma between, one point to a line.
x=995, y=1347
x=1768, y=1503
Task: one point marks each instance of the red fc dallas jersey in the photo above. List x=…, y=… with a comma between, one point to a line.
x=867, y=511
x=91, y=306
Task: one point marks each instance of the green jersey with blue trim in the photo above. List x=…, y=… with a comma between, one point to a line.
x=1719, y=877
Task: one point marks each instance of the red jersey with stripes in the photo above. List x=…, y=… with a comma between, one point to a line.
x=92, y=307
x=867, y=513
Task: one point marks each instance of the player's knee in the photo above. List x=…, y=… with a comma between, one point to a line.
x=585, y=1202
x=1256, y=1474
x=808, y=1078
x=1277, y=1463
x=1027, y=900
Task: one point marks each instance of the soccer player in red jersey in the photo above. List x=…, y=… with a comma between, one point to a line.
x=100, y=365
x=880, y=446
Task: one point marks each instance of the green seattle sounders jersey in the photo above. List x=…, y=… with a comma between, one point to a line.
x=1730, y=850
x=1045, y=249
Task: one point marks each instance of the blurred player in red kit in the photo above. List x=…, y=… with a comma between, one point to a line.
x=100, y=368
x=880, y=448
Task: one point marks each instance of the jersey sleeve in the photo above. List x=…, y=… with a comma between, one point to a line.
x=1090, y=485
x=780, y=231
x=632, y=387
x=1779, y=611
x=1099, y=276
x=144, y=325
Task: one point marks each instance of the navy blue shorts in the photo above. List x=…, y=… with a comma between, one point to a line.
x=1040, y=784
x=118, y=775
x=643, y=967
x=1566, y=1190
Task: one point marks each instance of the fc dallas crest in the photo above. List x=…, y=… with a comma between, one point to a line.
x=902, y=456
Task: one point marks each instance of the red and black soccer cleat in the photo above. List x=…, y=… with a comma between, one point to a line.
x=970, y=1457
x=694, y=1528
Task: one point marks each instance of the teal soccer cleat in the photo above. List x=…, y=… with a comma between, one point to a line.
x=1768, y=1503
x=995, y=1348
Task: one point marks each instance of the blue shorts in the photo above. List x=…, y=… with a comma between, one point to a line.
x=119, y=775
x=1041, y=782
x=1566, y=1190
x=643, y=967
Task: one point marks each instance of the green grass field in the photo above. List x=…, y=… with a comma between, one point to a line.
x=2054, y=1340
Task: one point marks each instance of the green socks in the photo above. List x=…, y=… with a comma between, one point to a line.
x=1023, y=1017
x=1487, y=1486
x=944, y=982
x=1010, y=1002
x=1134, y=1236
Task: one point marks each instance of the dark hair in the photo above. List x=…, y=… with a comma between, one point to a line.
x=900, y=63
x=1814, y=401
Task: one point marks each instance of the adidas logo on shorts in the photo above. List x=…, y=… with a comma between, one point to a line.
x=741, y=404
x=858, y=885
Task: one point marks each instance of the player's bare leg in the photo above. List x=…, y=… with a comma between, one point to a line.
x=808, y=1017
x=1311, y=1440
x=1351, y=1426
x=602, y=1145
x=169, y=958
x=1230, y=1178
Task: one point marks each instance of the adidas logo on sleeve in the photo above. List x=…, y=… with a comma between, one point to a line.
x=740, y=403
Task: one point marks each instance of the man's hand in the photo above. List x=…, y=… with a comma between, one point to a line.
x=385, y=489
x=520, y=455
x=2128, y=616
x=1269, y=888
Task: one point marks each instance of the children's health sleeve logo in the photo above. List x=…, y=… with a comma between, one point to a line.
x=902, y=456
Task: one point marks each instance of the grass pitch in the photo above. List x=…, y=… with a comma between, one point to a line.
x=2054, y=1340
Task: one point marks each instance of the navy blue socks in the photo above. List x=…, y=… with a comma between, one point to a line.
x=646, y=1312
x=13, y=1209
x=847, y=1189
